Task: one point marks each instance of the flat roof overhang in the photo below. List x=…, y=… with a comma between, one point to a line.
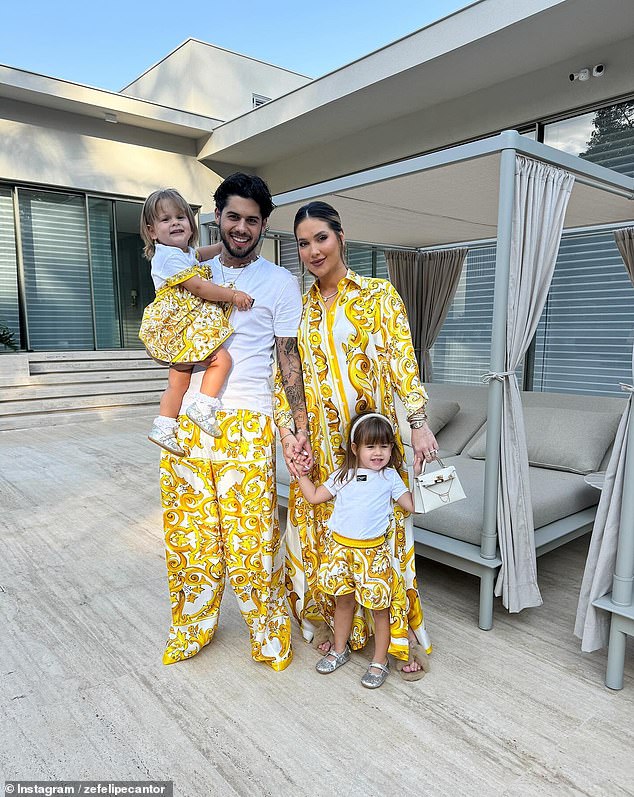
x=452, y=196
x=63, y=95
x=489, y=43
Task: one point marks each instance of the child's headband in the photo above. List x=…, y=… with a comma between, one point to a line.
x=364, y=418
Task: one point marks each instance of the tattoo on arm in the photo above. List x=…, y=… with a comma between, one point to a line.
x=292, y=379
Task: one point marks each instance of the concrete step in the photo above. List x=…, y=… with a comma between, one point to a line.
x=66, y=403
x=75, y=366
x=77, y=377
x=43, y=419
x=10, y=395
x=105, y=354
x=67, y=386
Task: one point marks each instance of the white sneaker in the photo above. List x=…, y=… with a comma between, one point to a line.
x=166, y=438
x=204, y=417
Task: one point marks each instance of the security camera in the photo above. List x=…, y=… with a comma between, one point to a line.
x=598, y=70
x=573, y=76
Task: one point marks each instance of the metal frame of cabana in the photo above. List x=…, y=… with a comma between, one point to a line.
x=392, y=206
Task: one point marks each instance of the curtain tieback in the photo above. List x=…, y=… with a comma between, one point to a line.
x=626, y=388
x=499, y=375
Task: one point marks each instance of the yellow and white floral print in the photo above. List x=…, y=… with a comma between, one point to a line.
x=356, y=356
x=367, y=572
x=220, y=519
x=178, y=327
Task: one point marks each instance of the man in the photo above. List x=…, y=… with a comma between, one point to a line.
x=219, y=501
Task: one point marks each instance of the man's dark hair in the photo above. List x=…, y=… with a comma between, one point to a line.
x=247, y=186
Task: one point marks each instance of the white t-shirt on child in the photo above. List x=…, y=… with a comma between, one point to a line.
x=168, y=261
x=363, y=505
x=276, y=312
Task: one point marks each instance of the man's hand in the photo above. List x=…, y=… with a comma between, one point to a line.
x=297, y=452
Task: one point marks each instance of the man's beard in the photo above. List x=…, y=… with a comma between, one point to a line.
x=239, y=254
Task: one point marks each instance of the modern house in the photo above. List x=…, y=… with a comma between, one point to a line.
x=76, y=163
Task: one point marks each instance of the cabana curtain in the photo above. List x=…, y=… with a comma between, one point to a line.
x=427, y=283
x=541, y=198
x=592, y=625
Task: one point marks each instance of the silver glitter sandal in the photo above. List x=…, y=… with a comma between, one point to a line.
x=333, y=660
x=372, y=680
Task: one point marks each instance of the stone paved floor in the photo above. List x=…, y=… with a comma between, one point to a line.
x=514, y=711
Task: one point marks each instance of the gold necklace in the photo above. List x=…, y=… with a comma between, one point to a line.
x=242, y=268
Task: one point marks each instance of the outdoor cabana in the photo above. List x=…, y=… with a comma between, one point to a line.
x=522, y=193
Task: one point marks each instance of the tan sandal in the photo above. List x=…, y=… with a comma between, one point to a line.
x=416, y=653
x=323, y=633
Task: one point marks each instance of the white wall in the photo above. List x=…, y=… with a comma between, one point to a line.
x=208, y=80
x=56, y=149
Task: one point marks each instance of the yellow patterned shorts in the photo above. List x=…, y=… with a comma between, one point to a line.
x=367, y=571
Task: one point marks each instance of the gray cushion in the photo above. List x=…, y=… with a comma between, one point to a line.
x=439, y=413
x=562, y=438
x=555, y=494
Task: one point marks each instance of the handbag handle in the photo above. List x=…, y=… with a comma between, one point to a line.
x=438, y=460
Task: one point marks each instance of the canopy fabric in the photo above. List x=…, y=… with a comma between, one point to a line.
x=541, y=197
x=433, y=200
x=427, y=283
x=592, y=625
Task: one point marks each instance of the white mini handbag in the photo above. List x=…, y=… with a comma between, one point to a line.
x=438, y=488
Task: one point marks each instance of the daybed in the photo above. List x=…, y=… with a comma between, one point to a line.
x=568, y=437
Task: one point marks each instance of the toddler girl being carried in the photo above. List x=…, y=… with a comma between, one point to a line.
x=184, y=326
x=357, y=564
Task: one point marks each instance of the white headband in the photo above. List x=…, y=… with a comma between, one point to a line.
x=364, y=418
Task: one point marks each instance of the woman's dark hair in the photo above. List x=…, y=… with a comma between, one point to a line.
x=319, y=210
x=369, y=432
x=247, y=186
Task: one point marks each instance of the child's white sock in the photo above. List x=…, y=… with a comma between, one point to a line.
x=203, y=400
x=164, y=422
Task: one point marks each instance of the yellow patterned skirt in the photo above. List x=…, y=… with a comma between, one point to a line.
x=362, y=567
x=220, y=520
x=178, y=327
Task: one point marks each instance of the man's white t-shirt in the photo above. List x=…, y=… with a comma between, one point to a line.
x=276, y=312
x=363, y=505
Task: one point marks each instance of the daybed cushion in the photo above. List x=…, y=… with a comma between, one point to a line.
x=439, y=413
x=562, y=438
x=555, y=494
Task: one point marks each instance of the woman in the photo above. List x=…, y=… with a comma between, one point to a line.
x=357, y=355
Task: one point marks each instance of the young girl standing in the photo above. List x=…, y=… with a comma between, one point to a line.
x=357, y=567
x=184, y=326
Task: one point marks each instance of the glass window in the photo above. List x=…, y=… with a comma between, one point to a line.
x=9, y=308
x=56, y=273
x=136, y=289
x=605, y=137
x=585, y=336
x=359, y=259
x=462, y=351
x=102, y=258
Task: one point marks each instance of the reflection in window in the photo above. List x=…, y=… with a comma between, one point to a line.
x=605, y=137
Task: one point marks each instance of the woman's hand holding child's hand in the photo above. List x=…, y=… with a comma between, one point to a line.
x=242, y=300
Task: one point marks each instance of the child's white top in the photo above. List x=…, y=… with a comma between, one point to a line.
x=169, y=261
x=276, y=313
x=363, y=505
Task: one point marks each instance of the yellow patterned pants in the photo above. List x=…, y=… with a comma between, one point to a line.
x=220, y=520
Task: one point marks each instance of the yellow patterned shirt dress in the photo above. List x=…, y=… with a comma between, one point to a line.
x=178, y=327
x=356, y=356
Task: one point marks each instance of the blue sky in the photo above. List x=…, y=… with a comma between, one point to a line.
x=109, y=43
